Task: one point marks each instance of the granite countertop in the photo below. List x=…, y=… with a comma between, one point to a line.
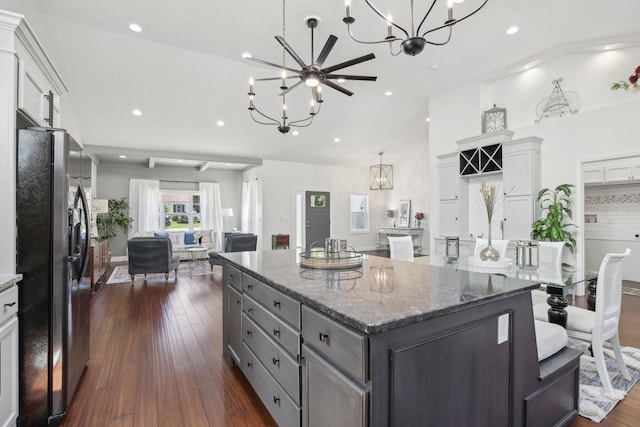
x=419, y=291
x=8, y=280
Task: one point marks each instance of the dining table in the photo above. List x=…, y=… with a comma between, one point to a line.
x=558, y=280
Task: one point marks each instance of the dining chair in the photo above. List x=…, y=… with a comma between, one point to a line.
x=602, y=325
x=499, y=245
x=401, y=247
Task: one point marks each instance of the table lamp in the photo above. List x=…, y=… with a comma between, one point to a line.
x=227, y=214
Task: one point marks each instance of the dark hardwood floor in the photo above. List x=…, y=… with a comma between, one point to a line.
x=156, y=360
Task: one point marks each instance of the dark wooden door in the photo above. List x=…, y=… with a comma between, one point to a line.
x=317, y=213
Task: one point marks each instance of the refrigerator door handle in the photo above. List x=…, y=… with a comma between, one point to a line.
x=80, y=197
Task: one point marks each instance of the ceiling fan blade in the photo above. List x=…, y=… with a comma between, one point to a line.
x=349, y=77
x=274, y=78
x=291, y=52
x=348, y=63
x=290, y=88
x=325, y=51
x=271, y=64
x=336, y=87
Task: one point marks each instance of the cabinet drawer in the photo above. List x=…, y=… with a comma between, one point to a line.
x=232, y=276
x=345, y=348
x=274, y=301
x=283, y=368
x=8, y=303
x=279, y=331
x=281, y=407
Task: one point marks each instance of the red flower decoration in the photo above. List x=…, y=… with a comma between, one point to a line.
x=633, y=81
x=419, y=215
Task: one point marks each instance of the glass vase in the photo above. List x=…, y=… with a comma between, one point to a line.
x=489, y=253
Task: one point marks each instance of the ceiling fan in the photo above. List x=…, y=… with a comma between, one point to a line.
x=313, y=74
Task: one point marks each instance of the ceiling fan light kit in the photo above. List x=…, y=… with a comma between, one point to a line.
x=312, y=75
x=413, y=41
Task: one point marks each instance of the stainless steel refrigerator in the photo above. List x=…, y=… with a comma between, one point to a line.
x=53, y=239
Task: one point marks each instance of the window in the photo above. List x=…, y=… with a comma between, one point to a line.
x=180, y=210
x=359, y=207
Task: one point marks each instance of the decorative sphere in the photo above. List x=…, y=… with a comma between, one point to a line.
x=413, y=45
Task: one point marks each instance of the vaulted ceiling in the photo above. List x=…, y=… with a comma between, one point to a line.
x=185, y=72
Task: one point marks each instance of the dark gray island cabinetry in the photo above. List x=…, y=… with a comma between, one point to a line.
x=440, y=347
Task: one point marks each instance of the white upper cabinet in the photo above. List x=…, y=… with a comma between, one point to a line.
x=39, y=86
x=617, y=171
x=449, y=176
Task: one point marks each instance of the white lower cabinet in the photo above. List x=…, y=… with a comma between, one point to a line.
x=9, y=372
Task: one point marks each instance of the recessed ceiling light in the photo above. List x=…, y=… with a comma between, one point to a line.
x=295, y=133
x=607, y=48
x=336, y=140
x=122, y=156
x=428, y=119
x=220, y=123
x=388, y=93
x=135, y=28
x=137, y=112
x=434, y=67
x=512, y=30
x=246, y=55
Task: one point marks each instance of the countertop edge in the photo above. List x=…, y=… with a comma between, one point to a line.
x=8, y=280
x=378, y=328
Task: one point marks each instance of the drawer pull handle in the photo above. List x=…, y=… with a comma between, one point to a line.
x=250, y=287
x=275, y=361
x=10, y=305
x=238, y=302
x=250, y=365
x=276, y=400
x=323, y=337
x=250, y=310
x=249, y=332
x=276, y=332
x=276, y=304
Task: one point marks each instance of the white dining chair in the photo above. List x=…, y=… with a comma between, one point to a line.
x=499, y=245
x=401, y=247
x=602, y=325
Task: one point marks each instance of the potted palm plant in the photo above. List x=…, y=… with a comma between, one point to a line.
x=555, y=204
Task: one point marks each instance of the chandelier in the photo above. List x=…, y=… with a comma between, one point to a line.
x=414, y=41
x=313, y=75
x=381, y=176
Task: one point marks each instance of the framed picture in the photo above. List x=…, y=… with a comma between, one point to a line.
x=404, y=213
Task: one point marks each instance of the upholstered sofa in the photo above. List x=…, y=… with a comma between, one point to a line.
x=151, y=255
x=183, y=240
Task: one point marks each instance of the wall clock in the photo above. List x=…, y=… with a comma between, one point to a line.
x=494, y=119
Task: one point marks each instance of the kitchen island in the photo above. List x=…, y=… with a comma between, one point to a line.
x=436, y=346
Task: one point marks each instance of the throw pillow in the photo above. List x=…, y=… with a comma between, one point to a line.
x=189, y=239
x=206, y=236
x=161, y=234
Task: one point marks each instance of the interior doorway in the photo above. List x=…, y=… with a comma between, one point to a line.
x=317, y=217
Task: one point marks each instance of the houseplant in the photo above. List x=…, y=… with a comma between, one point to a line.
x=556, y=203
x=117, y=217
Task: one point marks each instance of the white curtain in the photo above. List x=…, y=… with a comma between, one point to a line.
x=250, y=218
x=144, y=205
x=210, y=207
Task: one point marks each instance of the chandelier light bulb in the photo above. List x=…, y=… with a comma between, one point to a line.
x=246, y=55
x=284, y=74
x=312, y=82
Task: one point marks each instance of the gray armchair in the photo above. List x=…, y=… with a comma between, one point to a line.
x=240, y=242
x=151, y=255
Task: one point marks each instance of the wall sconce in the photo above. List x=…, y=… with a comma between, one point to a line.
x=389, y=213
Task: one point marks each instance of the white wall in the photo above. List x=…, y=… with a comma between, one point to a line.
x=606, y=124
x=279, y=181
